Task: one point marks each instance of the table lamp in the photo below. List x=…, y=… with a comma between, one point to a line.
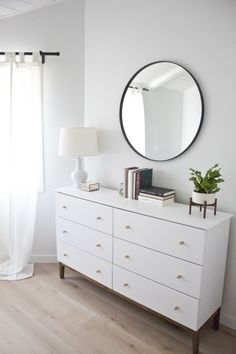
x=78, y=142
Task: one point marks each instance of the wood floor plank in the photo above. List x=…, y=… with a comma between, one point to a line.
x=48, y=315
x=22, y=334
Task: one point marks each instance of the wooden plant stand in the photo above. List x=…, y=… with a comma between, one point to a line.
x=205, y=205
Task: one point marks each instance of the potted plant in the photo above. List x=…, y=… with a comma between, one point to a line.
x=206, y=187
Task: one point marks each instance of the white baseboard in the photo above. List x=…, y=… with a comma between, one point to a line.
x=43, y=258
x=228, y=321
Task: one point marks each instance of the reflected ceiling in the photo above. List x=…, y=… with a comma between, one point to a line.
x=176, y=79
x=16, y=7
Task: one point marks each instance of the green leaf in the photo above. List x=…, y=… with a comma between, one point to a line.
x=209, y=183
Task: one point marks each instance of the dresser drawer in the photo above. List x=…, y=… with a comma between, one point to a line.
x=176, y=306
x=85, y=238
x=91, y=266
x=178, y=240
x=167, y=270
x=94, y=215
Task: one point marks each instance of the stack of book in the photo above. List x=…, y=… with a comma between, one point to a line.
x=136, y=178
x=160, y=196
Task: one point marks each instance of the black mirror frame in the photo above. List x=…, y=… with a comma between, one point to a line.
x=122, y=101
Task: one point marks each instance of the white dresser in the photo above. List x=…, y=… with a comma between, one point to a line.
x=160, y=257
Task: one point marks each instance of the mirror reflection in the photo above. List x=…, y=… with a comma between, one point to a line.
x=161, y=111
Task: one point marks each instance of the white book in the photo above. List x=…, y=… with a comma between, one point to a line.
x=130, y=183
x=156, y=201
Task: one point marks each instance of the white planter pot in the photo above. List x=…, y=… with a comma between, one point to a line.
x=200, y=198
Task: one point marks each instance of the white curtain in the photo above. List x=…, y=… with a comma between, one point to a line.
x=134, y=118
x=21, y=161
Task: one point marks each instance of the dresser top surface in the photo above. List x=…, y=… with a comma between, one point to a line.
x=176, y=212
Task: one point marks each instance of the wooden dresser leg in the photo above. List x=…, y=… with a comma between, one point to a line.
x=216, y=320
x=195, y=340
x=61, y=270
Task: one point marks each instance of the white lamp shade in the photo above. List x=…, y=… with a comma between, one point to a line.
x=78, y=141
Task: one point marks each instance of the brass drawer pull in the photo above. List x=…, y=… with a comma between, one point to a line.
x=179, y=276
x=176, y=308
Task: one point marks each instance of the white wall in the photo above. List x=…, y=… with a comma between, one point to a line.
x=53, y=28
x=163, y=122
x=121, y=37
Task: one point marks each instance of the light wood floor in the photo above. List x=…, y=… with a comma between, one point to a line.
x=45, y=315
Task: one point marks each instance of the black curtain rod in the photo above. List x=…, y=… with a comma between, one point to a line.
x=136, y=88
x=43, y=54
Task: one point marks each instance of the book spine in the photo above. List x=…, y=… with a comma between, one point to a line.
x=126, y=170
x=130, y=184
x=152, y=193
x=156, y=201
x=153, y=196
x=146, y=178
x=158, y=194
x=138, y=179
x=134, y=184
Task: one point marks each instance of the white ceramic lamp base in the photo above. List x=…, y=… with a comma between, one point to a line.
x=78, y=175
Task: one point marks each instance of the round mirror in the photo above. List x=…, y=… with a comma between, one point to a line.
x=161, y=111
